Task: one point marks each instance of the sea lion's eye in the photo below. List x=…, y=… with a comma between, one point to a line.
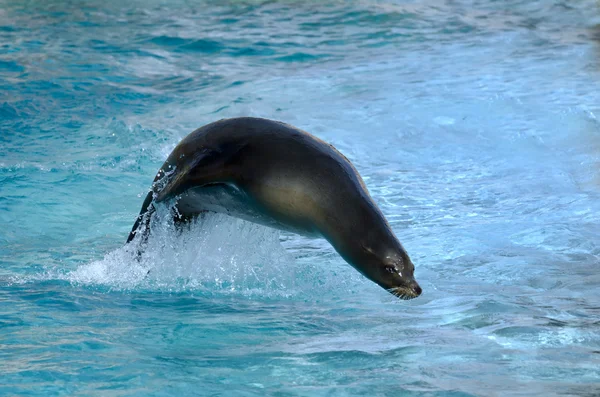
x=390, y=269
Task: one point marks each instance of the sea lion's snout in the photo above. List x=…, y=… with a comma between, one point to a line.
x=410, y=291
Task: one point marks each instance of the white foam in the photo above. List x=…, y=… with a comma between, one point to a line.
x=215, y=253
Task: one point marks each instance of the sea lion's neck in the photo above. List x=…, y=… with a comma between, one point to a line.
x=363, y=232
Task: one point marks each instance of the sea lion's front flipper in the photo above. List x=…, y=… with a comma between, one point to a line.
x=143, y=217
x=179, y=173
x=207, y=166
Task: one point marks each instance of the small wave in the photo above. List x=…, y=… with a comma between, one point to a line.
x=300, y=57
x=10, y=66
x=188, y=44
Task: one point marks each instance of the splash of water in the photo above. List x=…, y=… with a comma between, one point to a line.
x=212, y=253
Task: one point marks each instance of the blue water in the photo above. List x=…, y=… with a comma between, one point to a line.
x=475, y=126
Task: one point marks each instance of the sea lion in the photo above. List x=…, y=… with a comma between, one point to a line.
x=272, y=173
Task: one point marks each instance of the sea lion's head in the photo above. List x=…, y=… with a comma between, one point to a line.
x=393, y=271
x=399, y=279
x=382, y=259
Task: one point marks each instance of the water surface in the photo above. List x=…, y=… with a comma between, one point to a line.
x=474, y=124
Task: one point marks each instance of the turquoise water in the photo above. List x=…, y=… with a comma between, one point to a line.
x=474, y=123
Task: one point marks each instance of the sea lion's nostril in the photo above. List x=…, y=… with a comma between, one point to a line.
x=417, y=290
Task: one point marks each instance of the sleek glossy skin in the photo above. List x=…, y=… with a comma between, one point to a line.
x=269, y=172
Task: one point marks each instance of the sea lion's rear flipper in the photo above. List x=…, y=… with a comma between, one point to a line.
x=178, y=173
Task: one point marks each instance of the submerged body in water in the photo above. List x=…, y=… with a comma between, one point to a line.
x=271, y=173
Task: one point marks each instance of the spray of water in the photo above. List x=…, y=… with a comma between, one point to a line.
x=213, y=254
